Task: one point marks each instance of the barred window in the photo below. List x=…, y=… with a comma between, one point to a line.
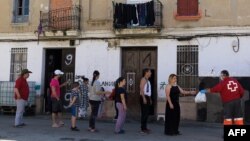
x=18, y=62
x=187, y=66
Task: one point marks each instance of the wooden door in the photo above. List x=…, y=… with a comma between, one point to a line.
x=134, y=60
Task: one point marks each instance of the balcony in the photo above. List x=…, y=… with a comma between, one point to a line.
x=137, y=19
x=61, y=22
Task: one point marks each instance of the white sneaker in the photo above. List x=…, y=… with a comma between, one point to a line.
x=55, y=125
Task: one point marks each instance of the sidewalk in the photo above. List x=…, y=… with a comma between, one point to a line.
x=39, y=129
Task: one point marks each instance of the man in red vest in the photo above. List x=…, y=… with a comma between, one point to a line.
x=231, y=93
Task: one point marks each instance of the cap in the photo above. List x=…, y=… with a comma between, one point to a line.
x=58, y=72
x=24, y=71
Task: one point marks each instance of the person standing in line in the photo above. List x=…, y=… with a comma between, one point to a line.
x=145, y=99
x=74, y=104
x=84, y=101
x=21, y=91
x=95, y=98
x=55, y=99
x=172, y=114
x=121, y=104
x=231, y=93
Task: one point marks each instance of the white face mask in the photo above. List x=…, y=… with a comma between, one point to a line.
x=221, y=78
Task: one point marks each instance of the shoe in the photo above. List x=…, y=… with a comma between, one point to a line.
x=17, y=126
x=61, y=123
x=144, y=132
x=23, y=124
x=92, y=130
x=120, y=132
x=74, y=129
x=55, y=125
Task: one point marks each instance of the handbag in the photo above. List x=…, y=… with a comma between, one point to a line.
x=200, y=97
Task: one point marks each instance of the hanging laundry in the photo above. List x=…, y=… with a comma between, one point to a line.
x=128, y=15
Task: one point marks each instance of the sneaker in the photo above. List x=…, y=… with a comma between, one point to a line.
x=74, y=129
x=55, y=125
x=120, y=132
x=17, y=126
x=92, y=130
x=23, y=124
x=144, y=132
x=61, y=123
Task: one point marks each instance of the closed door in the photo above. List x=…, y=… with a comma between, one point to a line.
x=134, y=60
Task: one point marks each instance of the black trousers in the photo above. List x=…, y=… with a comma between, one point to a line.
x=144, y=112
x=172, y=119
x=94, y=111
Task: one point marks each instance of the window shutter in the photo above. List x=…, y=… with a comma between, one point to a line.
x=14, y=10
x=182, y=7
x=193, y=7
x=26, y=7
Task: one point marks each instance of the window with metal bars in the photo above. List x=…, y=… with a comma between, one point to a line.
x=187, y=66
x=187, y=7
x=18, y=62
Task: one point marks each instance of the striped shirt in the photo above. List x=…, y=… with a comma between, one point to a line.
x=75, y=93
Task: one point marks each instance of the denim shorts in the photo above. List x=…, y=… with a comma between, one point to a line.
x=74, y=111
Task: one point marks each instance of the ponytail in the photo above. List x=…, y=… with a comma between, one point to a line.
x=95, y=74
x=117, y=82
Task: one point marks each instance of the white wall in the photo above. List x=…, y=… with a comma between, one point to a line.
x=167, y=59
x=217, y=54
x=95, y=55
x=34, y=60
x=5, y=56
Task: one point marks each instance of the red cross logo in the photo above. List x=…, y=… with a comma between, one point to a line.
x=232, y=86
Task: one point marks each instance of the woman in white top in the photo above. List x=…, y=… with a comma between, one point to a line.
x=95, y=99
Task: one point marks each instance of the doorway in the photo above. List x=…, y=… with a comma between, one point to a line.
x=63, y=59
x=134, y=60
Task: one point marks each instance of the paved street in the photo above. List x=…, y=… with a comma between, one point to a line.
x=39, y=129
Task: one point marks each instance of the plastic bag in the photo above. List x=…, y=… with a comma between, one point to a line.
x=81, y=112
x=200, y=97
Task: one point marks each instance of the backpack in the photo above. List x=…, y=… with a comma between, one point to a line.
x=112, y=95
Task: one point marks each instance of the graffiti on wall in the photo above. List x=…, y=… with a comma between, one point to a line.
x=108, y=83
x=162, y=85
x=161, y=91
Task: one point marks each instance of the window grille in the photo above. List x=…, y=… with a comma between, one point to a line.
x=187, y=66
x=18, y=62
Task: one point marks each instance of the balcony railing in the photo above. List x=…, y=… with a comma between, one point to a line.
x=142, y=15
x=62, y=19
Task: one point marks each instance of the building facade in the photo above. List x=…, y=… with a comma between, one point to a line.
x=194, y=39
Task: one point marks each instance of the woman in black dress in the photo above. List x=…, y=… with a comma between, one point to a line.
x=172, y=114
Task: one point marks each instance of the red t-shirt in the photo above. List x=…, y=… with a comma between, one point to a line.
x=229, y=89
x=55, y=83
x=23, y=88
